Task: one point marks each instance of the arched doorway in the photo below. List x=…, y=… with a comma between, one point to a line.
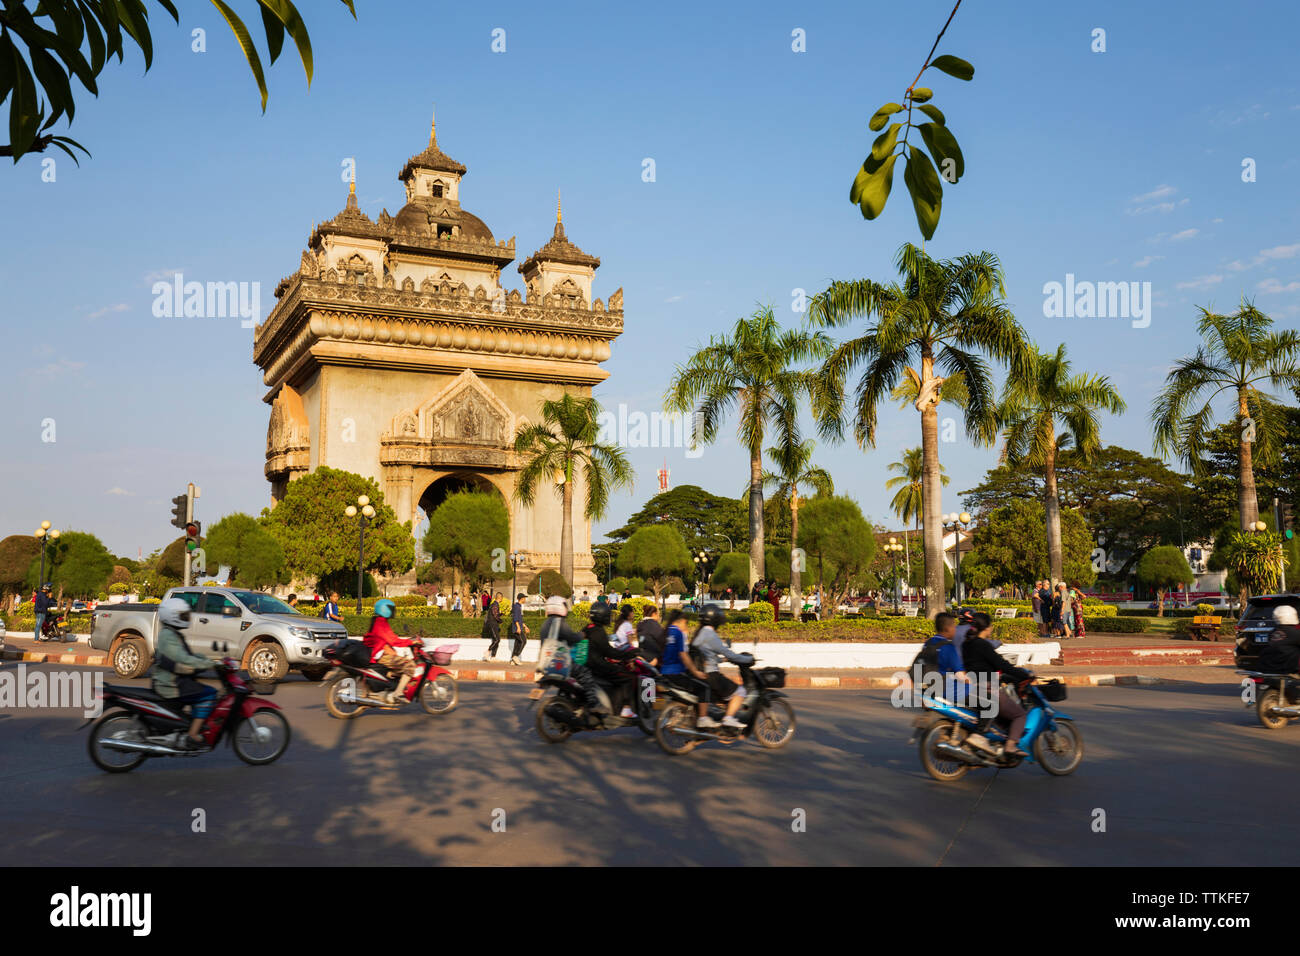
x=438, y=491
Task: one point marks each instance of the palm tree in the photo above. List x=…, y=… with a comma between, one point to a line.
x=938, y=319
x=1032, y=404
x=907, y=502
x=1237, y=354
x=754, y=372
x=795, y=470
x=562, y=442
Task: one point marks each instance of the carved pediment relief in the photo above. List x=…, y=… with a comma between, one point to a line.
x=464, y=412
x=288, y=433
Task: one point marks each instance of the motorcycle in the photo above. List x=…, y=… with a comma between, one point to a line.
x=566, y=713
x=766, y=714
x=1049, y=738
x=143, y=724
x=55, y=627
x=1277, y=698
x=354, y=684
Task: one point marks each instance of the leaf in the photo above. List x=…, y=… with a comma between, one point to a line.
x=882, y=116
x=927, y=194
x=59, y=141
x=933, y=112
x=135, y=20
x=953, y=66
x=95, y=40
x=55, y=84
x=274, y=33
x=885, y=143
x=246, y=44
x=871, y=189
x=921, y=93
x=288, y=15
x=24, y=116
x=940, y=141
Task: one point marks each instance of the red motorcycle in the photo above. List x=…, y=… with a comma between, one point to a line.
x=55, y=627
x=354, y=683
x=143, y=724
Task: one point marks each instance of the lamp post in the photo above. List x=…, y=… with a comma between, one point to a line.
x=701, y=573
x=45, y=534
x=730, y=549
x=367, y=511
x=516, y=557
x=893, y=548
x=957, y=521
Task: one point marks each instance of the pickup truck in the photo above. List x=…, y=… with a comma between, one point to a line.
x=263, y=633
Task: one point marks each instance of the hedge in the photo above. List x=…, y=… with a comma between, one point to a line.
x=1116, y=625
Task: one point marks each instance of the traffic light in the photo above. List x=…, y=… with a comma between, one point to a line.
x=192, y=530
x=179, y=505
x=1287, y=526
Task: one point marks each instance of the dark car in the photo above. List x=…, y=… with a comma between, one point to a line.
x=1256, y=624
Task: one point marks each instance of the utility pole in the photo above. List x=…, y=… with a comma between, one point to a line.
x=1281, y=530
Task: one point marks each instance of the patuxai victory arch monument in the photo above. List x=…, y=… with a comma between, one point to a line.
x=395, y=352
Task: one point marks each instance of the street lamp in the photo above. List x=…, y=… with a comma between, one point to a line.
x=957, y=521
x=367, y=511
x=730, y=549
x=893, y=548
x=701, y=573
x=45, y=534
x=516, y=558
x=1257, y=526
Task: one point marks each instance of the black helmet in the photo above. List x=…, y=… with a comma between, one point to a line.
x=713, y=616
x=599, y=614
x=47, y=586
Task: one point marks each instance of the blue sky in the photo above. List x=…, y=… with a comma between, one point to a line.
x=1115, y=166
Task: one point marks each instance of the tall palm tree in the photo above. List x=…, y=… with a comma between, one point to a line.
x=563, y=442
x=1032, y=405
x=1238, y=353
x=936, y=320
x=907, y=501
x=753, y=372
x=795, y=470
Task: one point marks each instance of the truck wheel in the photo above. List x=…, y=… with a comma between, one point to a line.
x=266, y=661
x=315, y=673
x=128, y=658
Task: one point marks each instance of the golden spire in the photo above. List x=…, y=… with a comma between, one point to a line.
x=558, y=216
x=433, y=130
x=352, y=186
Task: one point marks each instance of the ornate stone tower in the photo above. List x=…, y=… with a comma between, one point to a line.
x=395, y=352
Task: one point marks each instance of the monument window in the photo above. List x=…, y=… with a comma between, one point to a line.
x=437, y=190
x=444, y=231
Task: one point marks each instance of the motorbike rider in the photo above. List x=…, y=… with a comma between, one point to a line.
x=606, y=661
x=625, y=630
x=42, y=604
x=383, y=643
x=173, y=665
x=1281, y=655
x=555, y=630
x=711, y=648
x=986, y=665
x=677, y=668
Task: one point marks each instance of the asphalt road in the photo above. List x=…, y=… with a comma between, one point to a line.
x=1184, y=775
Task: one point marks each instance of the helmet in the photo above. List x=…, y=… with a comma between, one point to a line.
x=599, y=614
x=174, y=613
x=713, y=616
x=384, y=608
x=557, y=605
x=965, y=615
x=1286, y=614
x=47, y=586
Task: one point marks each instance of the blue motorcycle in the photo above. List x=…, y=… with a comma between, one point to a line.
x=1049, y=739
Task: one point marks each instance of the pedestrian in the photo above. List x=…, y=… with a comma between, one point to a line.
x=491, y=625
x=518, y=629
x=331, y=609
x=774, y=595
x=440, y=601
x=1076, y=605
x=43, y=602
x=292, y=601
x=1059, y=611
x=650, y=635
x=1037, y=600
x=455, y=603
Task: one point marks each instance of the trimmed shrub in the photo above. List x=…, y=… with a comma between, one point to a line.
x=1116, y=625
x=548, y=583
x=761, y=613
x=636, y=585
x=616, y=586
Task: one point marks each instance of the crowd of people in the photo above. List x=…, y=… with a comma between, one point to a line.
x=1058, y=609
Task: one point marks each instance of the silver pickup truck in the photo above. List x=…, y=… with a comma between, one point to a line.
x=263, y=633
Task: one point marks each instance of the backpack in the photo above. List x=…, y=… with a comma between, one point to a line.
x=927, y=659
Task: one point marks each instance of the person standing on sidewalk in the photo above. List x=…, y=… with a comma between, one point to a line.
x=518, y=629
x=491, y=625
x=1037, y=600
x=43, y=602
x=1076, y=606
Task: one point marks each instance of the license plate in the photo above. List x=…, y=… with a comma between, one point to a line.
x=536, y=692
x=1261, y=638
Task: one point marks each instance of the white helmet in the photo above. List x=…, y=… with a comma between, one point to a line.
x=557, y=605
x=174, y=613
x=1286, y=614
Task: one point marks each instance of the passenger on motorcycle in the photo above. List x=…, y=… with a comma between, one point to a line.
x=606, y=661
x=984, y=663
x=173, y=665
x=383, y=644
x=1281, y=655
x=650, y=635
x=677, y=668
x=625, y=630
x=711, y=648
x=555, y=631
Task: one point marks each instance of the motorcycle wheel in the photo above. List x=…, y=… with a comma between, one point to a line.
x=440, y=695
x=1060, y=751
x=550, y=729
x=774, y=724
x=1264, y=704
x=116, y=723
x=338, y=708
x=249, y=745
x=937, y=766
x=675, y=715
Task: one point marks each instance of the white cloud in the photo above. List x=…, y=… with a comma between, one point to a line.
x=1273, y=285
x=61, y=367
x=1146, y=261
x=1160, y=192
x=1281, y=252
x=161, y=275
x=1185, y=234
x=1201, y=282
x=119, y=491
x=120, y=307
x=674, y=298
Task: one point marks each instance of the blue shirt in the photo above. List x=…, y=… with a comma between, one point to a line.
x=670, y=661
x=517, y=615
x=331, y=611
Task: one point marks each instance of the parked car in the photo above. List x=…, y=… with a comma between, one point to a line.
x=1222, y=605
x=263, y=633
x=1256, y=624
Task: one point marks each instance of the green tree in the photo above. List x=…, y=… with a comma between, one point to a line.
x=936, y=321
x=77, y=565
x=1215, y=498
x=548, y=583
x=703, y=519
x=60, y=28
x=1035, y=400
x=907, y=502
x=795, y=471
x=1239, y=353
x=469, y=531
x=564, y=442
x=754, y=373
x=840, y=544
x=1008, y=547
x=655, y=553
x=1163, y=568
x=319, y=540
x=731, y=571
x=254, y=557
x=16, y=554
